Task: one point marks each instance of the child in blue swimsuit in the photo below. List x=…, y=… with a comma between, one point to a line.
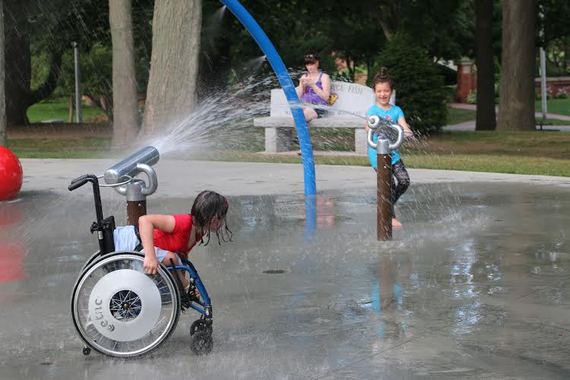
x=383, y=87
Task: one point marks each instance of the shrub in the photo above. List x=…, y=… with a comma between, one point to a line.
x=562, y=93
x=472, y=97
x=419, y=87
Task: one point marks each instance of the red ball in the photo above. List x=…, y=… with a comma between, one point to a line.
x=11, y=174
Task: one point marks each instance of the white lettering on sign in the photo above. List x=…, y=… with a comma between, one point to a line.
x=355, y=90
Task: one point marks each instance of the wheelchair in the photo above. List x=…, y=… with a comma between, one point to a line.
x=120, y=311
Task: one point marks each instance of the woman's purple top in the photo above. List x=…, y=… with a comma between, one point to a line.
x=310, y=96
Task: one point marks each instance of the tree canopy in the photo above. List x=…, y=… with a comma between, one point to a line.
x=38, y=37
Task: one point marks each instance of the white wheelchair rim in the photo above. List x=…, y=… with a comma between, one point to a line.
x=150, y=312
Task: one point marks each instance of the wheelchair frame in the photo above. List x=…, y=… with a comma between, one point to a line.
x=115, y=324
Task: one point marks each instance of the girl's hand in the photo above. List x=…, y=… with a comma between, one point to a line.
x=310, y=82
x=150, y=264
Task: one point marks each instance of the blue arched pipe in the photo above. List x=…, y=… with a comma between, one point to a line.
x=287, y=84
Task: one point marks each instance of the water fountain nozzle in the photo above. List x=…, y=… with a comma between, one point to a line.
x=137, y=162
x=383, y=146
x=373, y=122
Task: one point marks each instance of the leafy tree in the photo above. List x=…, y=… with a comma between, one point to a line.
x=96, y=60
x=555, y=21
x=486, y=119
x=96, y=74
x=418, y=84
x=556, y=34
x=443, y=27
x=46, y=27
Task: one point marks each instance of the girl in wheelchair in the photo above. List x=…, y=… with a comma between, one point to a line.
x=169, y=238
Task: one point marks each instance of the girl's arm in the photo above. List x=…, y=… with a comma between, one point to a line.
x=147, y=224
x=301, y=87
x=407, y=130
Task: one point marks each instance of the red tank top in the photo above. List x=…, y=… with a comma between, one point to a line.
x=177, y=240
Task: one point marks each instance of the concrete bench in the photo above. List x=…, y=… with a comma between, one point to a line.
x=352, y=99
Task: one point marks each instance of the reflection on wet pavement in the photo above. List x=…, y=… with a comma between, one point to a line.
x=475, y=285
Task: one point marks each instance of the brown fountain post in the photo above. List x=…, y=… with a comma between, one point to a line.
x=136, y=202
x=383, y=175
x=384, y=192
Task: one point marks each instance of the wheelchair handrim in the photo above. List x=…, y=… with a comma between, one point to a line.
x=110, y=329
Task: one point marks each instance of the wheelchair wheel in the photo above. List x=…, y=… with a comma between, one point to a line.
x=120, y=311
x=202, y=342
x=200, y=325
x=94, y=257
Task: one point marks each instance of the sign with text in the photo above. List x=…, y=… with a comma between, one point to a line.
x=352, y=98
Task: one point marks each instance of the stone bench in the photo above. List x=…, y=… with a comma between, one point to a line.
x=353, y=101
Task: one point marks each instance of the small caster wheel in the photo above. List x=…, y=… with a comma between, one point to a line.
x=200, y=325
x=86, y=350
x=202, y=342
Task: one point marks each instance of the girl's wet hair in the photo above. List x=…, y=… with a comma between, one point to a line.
x=207, y=206
x=382, y=77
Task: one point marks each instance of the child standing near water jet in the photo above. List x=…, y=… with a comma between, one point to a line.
x=171, y=237
x=383, y=87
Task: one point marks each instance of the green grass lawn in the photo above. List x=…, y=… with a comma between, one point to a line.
x=57, y=109
x=457, y=116
x=559, y=106
x=92, y=147
x=506, y=152
x=545, y=153
x=538, y=153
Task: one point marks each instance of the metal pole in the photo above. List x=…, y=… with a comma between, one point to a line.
x=384, y=191
x=543, y=94
x=77, y=83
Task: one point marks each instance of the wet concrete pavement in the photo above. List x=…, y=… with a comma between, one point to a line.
x=474, y=286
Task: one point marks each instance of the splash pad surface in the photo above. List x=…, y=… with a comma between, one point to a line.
x=475, y=285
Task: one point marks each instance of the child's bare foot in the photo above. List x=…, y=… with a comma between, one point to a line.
x=396, y=223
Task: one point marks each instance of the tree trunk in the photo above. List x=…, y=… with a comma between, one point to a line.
x=2, y=77
x=171, y=91
x=516, y=104
x=18, y=66
x=18, y=69
x=125, y=121
x=485, y=66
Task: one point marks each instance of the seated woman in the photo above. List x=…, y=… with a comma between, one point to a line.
x=314, y=88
